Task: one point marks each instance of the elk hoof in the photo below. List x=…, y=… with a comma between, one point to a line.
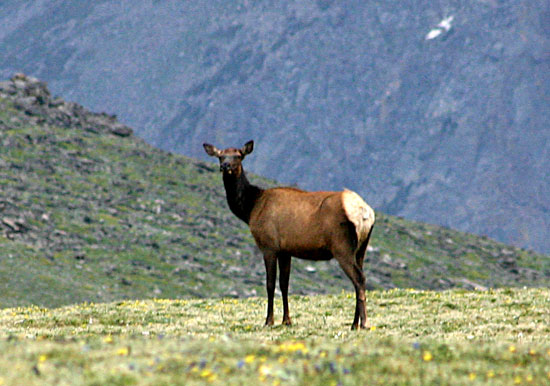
x=287, y=322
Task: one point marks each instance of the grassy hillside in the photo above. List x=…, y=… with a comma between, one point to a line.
x=88, y=212
x=495, y=337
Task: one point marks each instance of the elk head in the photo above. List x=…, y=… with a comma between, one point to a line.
x=231, y=158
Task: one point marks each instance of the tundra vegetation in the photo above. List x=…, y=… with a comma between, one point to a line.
x=457, y=337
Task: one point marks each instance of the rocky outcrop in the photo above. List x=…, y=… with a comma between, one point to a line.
x=33, y=98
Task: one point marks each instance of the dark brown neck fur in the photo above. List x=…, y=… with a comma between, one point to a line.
x=241, y=195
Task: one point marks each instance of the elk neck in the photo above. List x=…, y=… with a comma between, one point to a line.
x=241, y=194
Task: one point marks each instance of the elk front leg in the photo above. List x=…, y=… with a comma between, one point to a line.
x=284, y=271
x=270, y=260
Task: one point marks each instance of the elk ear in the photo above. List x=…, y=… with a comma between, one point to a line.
x=211, y=150
x=247, y=148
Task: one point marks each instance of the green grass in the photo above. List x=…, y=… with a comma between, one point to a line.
x=416, y=337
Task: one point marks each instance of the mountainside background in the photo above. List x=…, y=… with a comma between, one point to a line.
x=90, y=212
x=450, y=130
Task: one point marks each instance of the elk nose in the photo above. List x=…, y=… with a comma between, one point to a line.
x=224, y=166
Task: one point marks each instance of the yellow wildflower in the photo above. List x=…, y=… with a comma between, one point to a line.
x=42, y=358
x=249, y=358
x=292, y=347
x=206, y=373
x=123, y=351
x=490, y=374
x=472, y=376
x=529, y=378
x=517, y=380
x=512, y=348
x=108, y=339
x=373, y=328
x=427, y=356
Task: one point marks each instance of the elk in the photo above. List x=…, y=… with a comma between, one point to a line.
x=286, y=222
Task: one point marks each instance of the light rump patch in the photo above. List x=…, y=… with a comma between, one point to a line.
x=359, y=213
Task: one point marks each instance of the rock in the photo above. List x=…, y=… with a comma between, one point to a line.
x=372, y=249
x=19, y=84
x=393, y=263
x=7, y=87
x=529, y=273
x=56, y=102
x=470, y=285
x=121, y=130
x=14, y=225
x=442, y=283
x=25, y=103
x=33, y=97
x=19, y=76
x=509, y=264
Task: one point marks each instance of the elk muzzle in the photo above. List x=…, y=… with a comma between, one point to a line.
x=225, y=167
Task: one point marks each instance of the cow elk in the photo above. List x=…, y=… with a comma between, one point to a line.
x=288, y=222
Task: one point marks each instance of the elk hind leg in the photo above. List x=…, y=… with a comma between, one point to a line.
x=362, y=250
x=357, y=277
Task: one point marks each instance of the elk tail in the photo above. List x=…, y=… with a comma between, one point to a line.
x=359, y=214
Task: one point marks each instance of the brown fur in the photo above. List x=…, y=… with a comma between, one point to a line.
x=289, y=222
